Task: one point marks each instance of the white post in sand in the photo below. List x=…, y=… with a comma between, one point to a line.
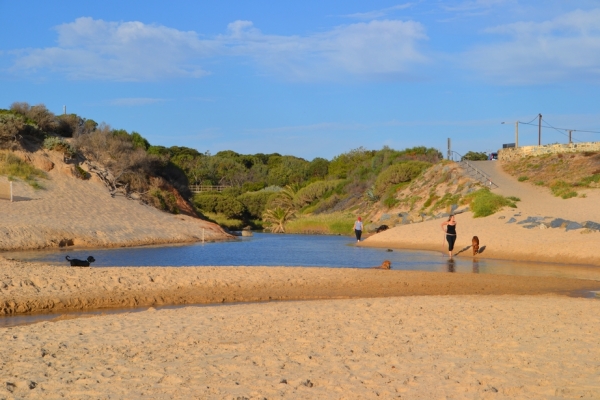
x=202, y=235
x=11, y=193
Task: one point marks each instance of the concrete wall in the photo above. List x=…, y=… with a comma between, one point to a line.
x=513, y=153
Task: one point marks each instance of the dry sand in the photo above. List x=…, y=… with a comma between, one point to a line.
x=381, y=338
x=419, y=347
x=503, y=240
x=371, y=333
x=70, y=211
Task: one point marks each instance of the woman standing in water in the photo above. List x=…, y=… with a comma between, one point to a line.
x=358, y=227
x=450, y=228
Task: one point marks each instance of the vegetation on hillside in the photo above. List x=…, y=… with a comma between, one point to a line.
x=475, y=156
x=564, y=174
x=13, y=167
x=261, y=190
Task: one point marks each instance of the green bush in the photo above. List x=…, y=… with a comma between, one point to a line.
x=523, y=178
x=81, y=173
x=589, y=179
x=398, y=173
x=60, y=145
x=484, y=203
x=475, y=156
x=12, y=166
x=315, y=191
x=230, y=207
x=390, y=201
x=562, y=189
x=255, y=202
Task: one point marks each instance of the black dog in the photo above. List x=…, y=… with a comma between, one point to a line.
x=382, y=228
x=80, y=263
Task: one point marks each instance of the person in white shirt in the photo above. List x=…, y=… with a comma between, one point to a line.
x=358, y=227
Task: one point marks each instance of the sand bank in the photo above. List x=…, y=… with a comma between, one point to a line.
x=433, y=347
x=30, y=287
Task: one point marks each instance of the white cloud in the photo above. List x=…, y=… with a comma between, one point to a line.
x=127, y=51
x=387, y=47
x=566, y=48
x=133, y=51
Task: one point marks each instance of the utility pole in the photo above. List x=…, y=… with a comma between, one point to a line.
x=517, y=134
x=570, y=140
x=540, y=130
x=449, y=151
x=64, y=110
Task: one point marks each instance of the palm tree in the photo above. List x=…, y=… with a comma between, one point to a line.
x=277, y=217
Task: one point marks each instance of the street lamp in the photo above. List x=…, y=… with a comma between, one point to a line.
x=516, y=133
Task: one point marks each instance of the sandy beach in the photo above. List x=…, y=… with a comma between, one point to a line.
x=366, y=334
x=296, y=333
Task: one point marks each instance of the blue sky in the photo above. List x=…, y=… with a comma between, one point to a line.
x=310, y=78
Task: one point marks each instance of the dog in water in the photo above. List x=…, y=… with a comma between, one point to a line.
x=384, y=265
x=80, y=263
x=475, y=245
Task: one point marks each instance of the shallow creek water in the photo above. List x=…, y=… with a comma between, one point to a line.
x=264, y=249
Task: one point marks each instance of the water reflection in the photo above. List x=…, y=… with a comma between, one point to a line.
x=451, y=265
x=307, y=251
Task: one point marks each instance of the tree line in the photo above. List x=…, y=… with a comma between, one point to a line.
x=258, y=183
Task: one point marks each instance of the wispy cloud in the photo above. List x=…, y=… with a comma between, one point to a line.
x=135, y=101
x=475, y=5
x=387, y=47
x=89, y=49
x=566, y=48
x=369, y=15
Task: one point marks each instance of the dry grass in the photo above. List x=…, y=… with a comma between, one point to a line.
x=562, y=173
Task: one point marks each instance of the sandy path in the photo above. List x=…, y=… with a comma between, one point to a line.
x=440, y=347
x=539, y=201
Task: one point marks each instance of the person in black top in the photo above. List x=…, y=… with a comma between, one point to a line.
x=450, y=228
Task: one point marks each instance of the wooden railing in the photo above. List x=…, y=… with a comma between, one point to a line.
x=208, y=188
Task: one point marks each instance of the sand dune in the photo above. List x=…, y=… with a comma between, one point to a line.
x=70, y=211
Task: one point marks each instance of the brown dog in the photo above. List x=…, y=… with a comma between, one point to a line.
x=475, y=245
x=384, y=265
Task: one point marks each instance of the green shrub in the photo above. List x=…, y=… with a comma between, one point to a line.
x=81, y=173
x=484, y=203
x=589, y=179
x=60, y=145
x=398, y=173
x=13, y=167
x=523, y=178
x=255, y=202
x=390, y=201
x=315, y=191
x=562, y=189
x=164, y=200
x=539, y=183
x=329, y=224
x=447, y=200
x=229, y=206
x=474, y=156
